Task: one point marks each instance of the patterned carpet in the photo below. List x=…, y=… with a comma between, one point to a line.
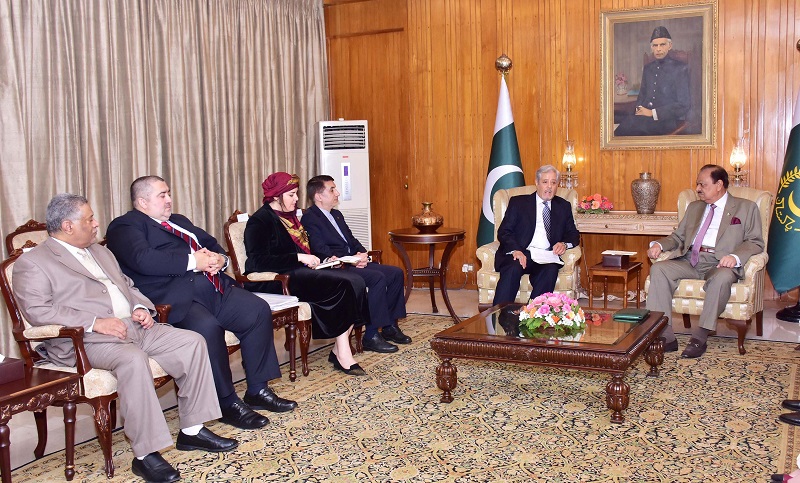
x=712, y=419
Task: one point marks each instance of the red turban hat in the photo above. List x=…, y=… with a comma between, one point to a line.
x=279, y=183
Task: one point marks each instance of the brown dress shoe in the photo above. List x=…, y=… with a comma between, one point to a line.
x=694, y=349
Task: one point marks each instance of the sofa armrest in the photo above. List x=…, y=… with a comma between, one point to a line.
x=46, y=332
x=571, y=258
x=486, y=255
x=754, y=265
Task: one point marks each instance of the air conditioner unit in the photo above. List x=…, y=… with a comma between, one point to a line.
x=343, y=153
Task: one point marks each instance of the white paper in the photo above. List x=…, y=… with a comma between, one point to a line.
x=2, y=357
x=351, y=259
x=544, y=256
x=279, y=301
x=332, y=263
x=618, y=252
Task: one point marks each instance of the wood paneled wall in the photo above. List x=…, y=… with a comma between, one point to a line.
x=422, y=72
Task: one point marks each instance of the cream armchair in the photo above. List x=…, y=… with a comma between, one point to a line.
x=567, y=281
x=747, y=295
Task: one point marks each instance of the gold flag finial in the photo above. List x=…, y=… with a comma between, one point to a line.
x=503, y=64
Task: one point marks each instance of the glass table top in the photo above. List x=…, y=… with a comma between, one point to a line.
x=504, y=322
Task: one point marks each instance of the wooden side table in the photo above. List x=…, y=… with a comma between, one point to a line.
x=449, y=236
x=37, y=390
x=622, y=272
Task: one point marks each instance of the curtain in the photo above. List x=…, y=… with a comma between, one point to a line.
x=211, y=95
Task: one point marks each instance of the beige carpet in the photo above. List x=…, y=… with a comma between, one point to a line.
x=712, y=419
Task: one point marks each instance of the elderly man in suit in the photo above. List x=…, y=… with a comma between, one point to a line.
x=174, y=262
x=664, y=97
x=540, y=221
x=713, y=241
x=330, y=237
x=72, y=281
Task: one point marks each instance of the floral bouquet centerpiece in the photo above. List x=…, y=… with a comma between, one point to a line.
x=554, y=311
x=595, y=203
x=621, y=83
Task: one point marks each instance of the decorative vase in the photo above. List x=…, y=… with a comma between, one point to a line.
x=427, y=221
x=622, y=89
x=645, y=193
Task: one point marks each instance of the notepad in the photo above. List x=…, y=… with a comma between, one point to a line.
x=631, y=315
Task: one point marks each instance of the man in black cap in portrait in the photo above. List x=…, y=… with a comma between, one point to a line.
x=664, y=99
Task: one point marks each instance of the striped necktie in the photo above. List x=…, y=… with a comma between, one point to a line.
x=214, y=279
x=546, y=219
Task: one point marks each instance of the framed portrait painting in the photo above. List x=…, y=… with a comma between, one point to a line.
x=658, y=79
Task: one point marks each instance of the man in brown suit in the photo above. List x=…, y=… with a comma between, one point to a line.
x=70, y=280
x=713, y=241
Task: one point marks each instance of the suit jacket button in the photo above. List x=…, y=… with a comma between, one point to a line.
x=105, y=291
x=109, y=312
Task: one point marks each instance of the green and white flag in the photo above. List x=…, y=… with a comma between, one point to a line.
x=505, y=169
x=784, y=231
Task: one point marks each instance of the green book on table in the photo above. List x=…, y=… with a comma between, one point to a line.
x=631, y=315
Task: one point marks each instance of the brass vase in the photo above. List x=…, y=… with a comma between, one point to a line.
x=427, y=221
x=645, y=193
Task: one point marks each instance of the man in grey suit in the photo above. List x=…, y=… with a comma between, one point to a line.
x=70, y=280
x=713, y=241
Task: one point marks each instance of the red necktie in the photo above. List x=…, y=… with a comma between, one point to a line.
x=698, y=240
x=214, y=279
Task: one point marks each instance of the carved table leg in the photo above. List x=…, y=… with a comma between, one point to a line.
x=69, y=439
x=446, y=379
x=654, y=356
x=617, y=397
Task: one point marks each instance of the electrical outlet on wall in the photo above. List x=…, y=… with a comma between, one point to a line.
x=467, y=267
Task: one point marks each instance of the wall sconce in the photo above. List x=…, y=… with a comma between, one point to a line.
x=569, y=179
x=738, y=160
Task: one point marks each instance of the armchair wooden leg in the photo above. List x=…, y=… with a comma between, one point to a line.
x=304, y=332
x=103, y=427
x=741, y=327
x=41, y=428
x=760, y=323
x=687, y=322
x=358, y=334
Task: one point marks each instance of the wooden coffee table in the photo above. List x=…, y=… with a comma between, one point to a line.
x=609, y=347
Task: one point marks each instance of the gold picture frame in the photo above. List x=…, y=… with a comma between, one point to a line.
x=625, y=52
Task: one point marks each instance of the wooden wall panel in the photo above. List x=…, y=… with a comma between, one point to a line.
x=446, y=55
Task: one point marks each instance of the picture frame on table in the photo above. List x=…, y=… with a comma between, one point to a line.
x=685, y=103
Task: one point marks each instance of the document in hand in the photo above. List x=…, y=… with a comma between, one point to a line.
x=545, y=256
x=351, y=259
x=332, y=263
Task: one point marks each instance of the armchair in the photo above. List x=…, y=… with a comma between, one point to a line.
x=747, y=295
x=568, y=276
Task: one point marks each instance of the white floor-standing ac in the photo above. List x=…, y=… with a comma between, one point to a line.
x=343, y=153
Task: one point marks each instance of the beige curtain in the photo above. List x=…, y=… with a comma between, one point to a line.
x=213, y=95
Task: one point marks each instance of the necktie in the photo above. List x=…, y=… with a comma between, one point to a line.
x=698, y=240
x=546, y=219
x=214, y=279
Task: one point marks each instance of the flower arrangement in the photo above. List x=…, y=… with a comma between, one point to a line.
x=552, y=310
x=620, y=80
x=595, y=203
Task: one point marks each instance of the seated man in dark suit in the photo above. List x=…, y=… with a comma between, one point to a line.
x=539, y=221
x=330, y=237
x=70, y=280
x=664, y=96
x=174, y=262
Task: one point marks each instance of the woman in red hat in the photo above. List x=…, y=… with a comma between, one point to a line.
x=276, y=241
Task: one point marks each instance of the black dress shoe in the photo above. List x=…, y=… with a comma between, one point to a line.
x=790, y=418
x=155, y=469
x=241, y=416
x=670, y=346
x=205, y=440
x=394, y=334
x=791, y=404
x=778, y=477
x=377, y=343
x=694, y=349
x=267, y=399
